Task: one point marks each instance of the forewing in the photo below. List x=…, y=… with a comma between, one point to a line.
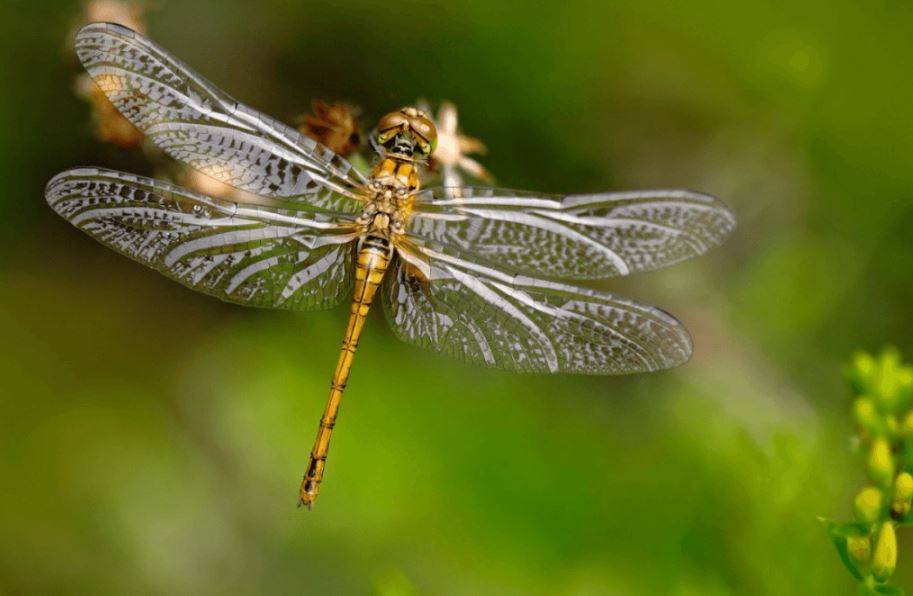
x=193, y=121
x=518, y=323
x=573, y=237
x=250, y=255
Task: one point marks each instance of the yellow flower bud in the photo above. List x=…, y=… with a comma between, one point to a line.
x=885, y=557
x=859, y=549
x=903, y=494
x=905, y=377
x=867, y=505
x=890, y=425
x=906, y=425
x=864, y=364
x=866, y=415
x=881, y=462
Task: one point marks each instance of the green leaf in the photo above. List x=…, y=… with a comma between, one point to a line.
x=839, y=532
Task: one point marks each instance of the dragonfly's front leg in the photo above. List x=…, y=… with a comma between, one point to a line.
x=374, y=256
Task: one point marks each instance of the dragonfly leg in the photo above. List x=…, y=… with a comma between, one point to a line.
x=370, y=267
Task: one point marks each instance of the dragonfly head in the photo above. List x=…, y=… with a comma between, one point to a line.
x=408, y=131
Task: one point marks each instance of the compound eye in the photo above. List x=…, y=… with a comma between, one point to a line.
x=392, y=120
x=426, y=131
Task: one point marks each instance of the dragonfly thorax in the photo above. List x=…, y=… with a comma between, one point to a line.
x=395, y=175
x=385, y=213
x=394, y=181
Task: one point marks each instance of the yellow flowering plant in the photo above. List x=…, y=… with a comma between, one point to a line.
x=883, y=413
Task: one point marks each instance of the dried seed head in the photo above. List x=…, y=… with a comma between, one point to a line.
x=335, y=126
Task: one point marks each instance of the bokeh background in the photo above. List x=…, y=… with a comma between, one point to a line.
x=152, y=439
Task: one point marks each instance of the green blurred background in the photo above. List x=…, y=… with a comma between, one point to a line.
x=152, y=438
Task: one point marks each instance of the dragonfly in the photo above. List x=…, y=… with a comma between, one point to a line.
x=487, y=275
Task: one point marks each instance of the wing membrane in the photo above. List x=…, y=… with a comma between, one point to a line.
x=193, y=121
x=250, y=255
x=573, y=237
x=482, y=316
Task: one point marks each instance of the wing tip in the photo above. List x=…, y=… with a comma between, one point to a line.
x=727, y=214
x=727, y=221
x=685, y=348
x=85, y=34
x=79, y=172
x=681, y=345
x=50, y=189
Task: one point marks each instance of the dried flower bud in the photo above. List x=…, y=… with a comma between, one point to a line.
x=903, y=494
x=881, y=462
x=867, y=504
x=885, y=558
x=127, y=13
x=110, y=125
x=333, y=125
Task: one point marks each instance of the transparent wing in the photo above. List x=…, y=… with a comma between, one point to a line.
x=573, y=237
x=193, y=121
x=250, y=255
x=482, y=316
